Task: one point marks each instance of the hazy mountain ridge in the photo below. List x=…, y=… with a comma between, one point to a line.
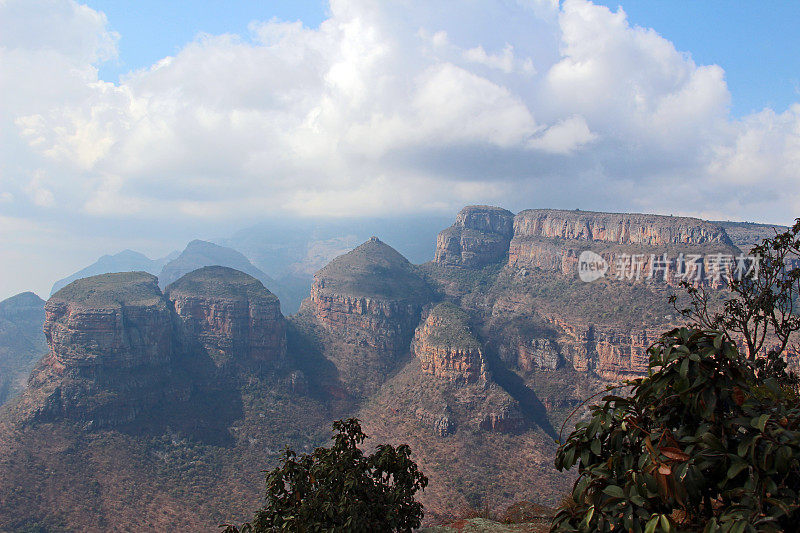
x=181, y=397
x=22, y=342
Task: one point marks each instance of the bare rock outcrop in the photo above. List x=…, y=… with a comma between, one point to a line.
x=371, y=293
x=634, y=246
x=447, y=348
x=480, y=236
x=612, y=352
x=111, y=348
x=231, y=313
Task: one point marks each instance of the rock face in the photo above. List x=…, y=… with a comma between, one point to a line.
x=232, y=314
x=447, y=348
x=620, y=228
x=612, y=352
x=111, y=340
x=479, y=237
x=22, y=342
x=372, y=293
x=634, y=246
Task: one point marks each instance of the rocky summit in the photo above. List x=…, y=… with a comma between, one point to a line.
x=161, y=409
x=231, y=313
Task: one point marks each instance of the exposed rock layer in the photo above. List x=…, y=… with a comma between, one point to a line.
x=447, y=348
x=479, y=236
x=231, y=313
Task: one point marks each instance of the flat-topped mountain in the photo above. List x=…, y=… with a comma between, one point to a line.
x=447, y=348
x=621, y=228
x=231, y=312
x=22, y=341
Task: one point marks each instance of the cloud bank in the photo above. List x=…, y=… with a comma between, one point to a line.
x=386, y=107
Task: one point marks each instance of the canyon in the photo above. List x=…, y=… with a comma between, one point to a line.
x=165, y=400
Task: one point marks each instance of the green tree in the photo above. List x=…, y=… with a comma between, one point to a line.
x=340, y=489
x=710, y=439
x=701, y=444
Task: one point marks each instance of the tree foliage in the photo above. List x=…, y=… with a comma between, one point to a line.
x=340, y=489
x=702, y=444
x=761, y=309
x=709, y=440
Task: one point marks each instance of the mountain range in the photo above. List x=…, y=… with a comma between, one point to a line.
x=160, y=400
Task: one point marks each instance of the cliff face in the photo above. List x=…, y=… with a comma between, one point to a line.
x=231, y=313
x=447, y=349
x=371, y=293
x=479, y=236
x=368, y=302
x=620, y=228
x=111, y=346
x=634, y=246
x=614, y=352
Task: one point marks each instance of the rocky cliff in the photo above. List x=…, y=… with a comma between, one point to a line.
x=480, y=236
x=231, y=313
x=634, y=246
x=447, y=348
x=111, y=345
x=372, y=294
x=368, y=303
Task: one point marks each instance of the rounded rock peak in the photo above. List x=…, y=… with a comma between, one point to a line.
x=111, y=291
x=220, y=282
x=373, y=270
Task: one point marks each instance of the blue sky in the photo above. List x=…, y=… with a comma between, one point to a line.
x=145, y=124
x=756, y=42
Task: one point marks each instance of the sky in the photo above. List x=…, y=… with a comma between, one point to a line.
x=145, y=124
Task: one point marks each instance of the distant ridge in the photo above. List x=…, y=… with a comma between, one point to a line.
x=124, y=261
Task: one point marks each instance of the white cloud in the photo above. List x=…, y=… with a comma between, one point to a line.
x=387, y=106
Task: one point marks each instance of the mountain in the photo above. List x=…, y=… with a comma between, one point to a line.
x=291, y=251
x=150, y=406
x=124, y=261
x=22, y=342
x=198, y=254
x=159, y=409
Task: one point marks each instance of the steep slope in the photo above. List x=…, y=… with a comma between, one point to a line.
x=480, y=236
x=368, y=303
x=231, y=313
x=124, y=261
x=22, y=341
x=553, y=240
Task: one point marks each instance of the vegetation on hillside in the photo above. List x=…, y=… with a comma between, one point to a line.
x=111, y=290
x=372, y=270
x=452, y=329
x=221, y=282
x=339, y=489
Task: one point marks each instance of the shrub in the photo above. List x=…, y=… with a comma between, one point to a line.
x=339, y=489
x=702, y=443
